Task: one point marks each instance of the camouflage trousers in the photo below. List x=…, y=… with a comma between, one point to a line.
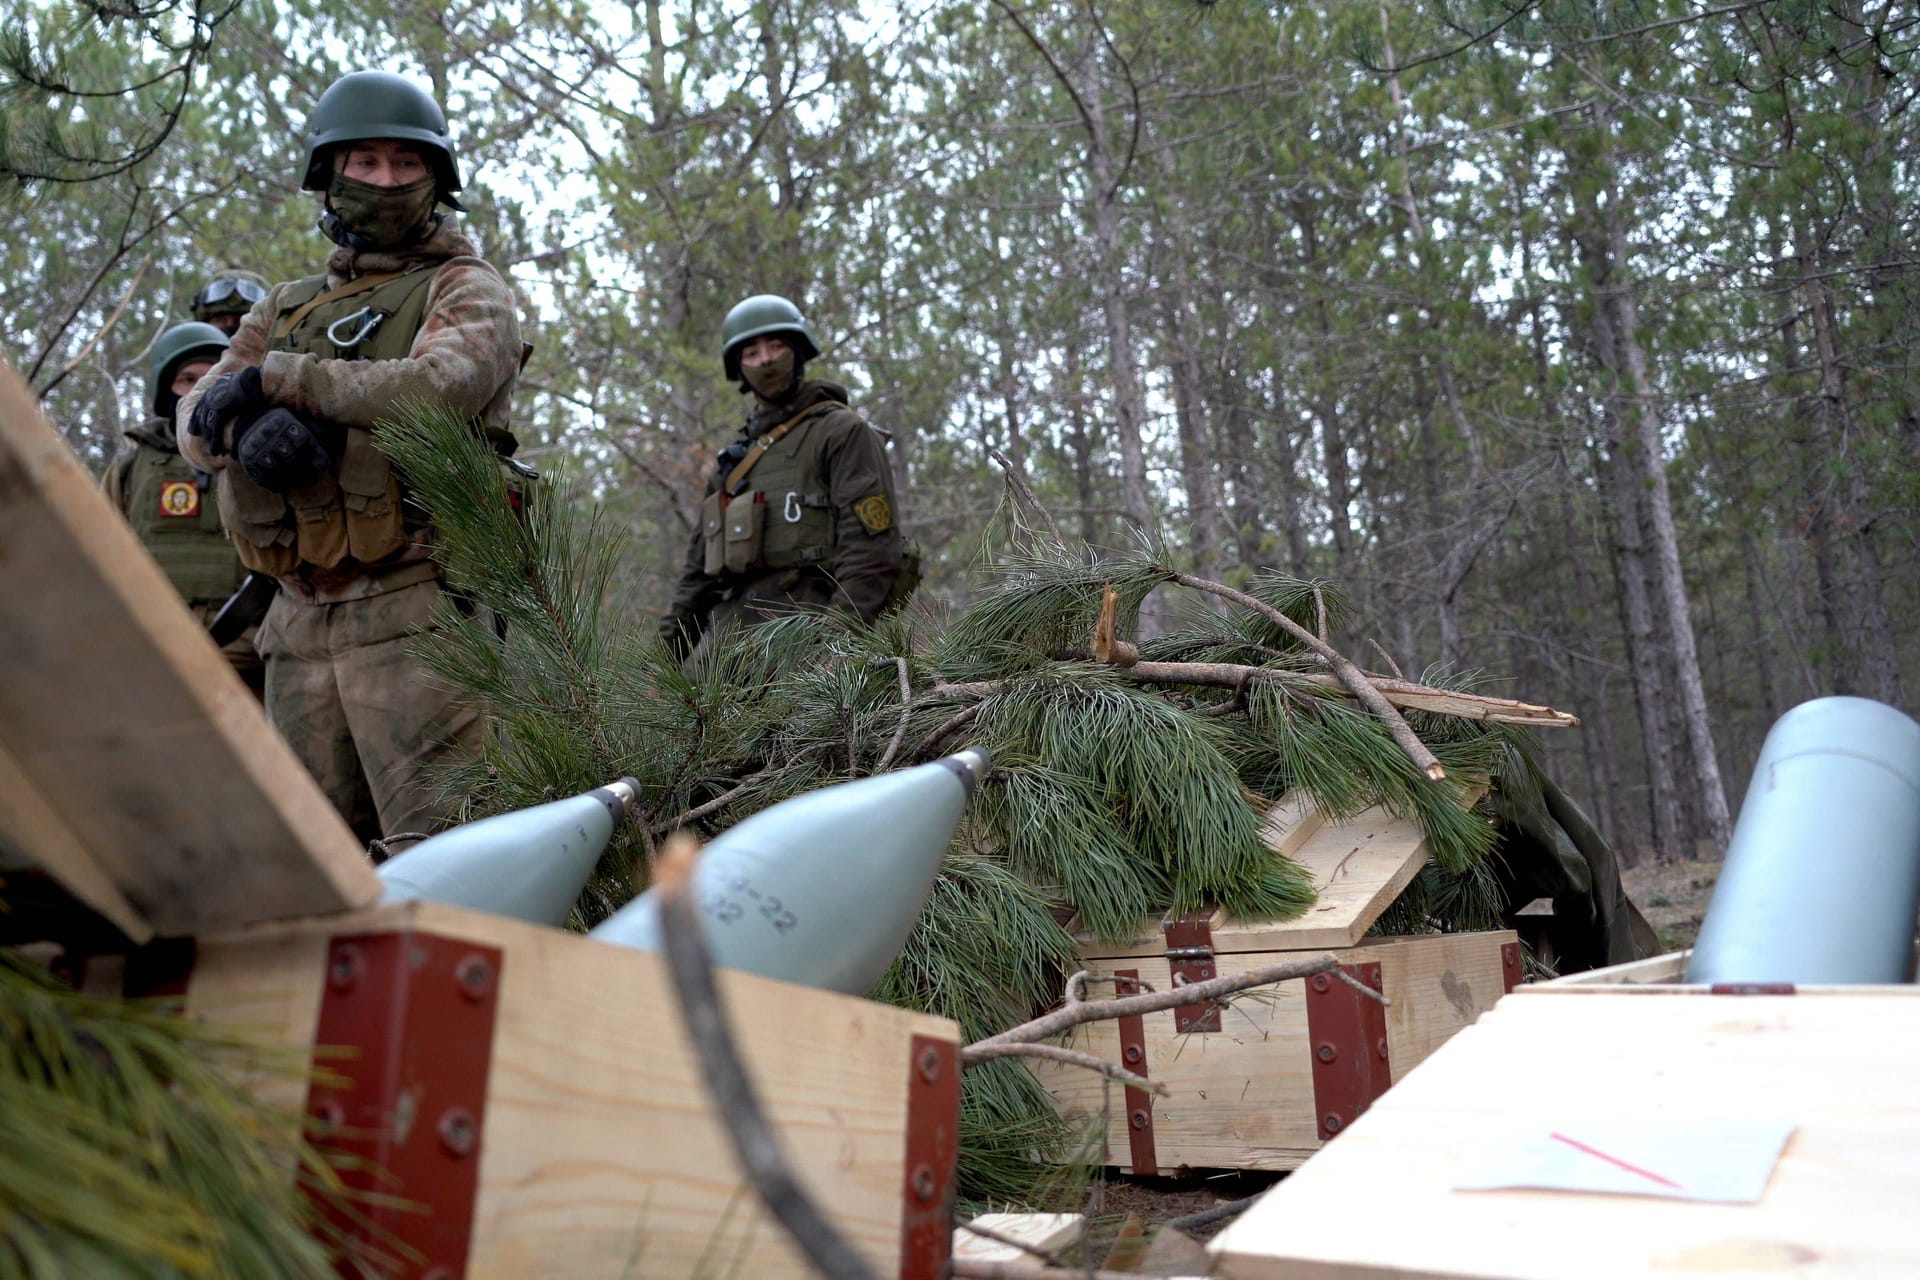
x=363, y=714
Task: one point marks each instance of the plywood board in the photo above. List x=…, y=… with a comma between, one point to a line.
x=600, y=1141
x=162, y=777
x=1839, y=1203
x=1358, y=868
x=1242, y=1097
x=1050, y=1232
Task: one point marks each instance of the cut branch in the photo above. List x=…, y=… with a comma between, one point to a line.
x=1233, y=675
x=1106, y=646
x=906, y=710
x=1074, y=1012
x=974, y=1055
x=1351, y=676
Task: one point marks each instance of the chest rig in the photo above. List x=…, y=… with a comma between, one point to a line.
x=772, y=510
x=356, y=512
x=179, y=525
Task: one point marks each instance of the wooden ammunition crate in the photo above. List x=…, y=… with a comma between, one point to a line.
x=535, y=1093
x=1264, y=1082
x=1839, y=1063
x=530, y=1092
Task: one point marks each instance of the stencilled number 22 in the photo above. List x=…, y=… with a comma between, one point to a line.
x=778, y=916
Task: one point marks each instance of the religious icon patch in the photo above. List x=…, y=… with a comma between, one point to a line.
x=179, y=498
x=874, y=513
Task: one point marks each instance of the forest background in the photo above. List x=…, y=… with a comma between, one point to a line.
x=1574, y=340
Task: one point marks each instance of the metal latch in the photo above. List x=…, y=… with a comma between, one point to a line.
x=1190, y=960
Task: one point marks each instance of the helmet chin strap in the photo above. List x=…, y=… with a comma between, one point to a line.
x=335, y=230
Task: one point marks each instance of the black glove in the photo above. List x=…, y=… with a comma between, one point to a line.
x=237, y=396
x=281, y=451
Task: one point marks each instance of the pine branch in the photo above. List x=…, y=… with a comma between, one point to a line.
x=1351, y=676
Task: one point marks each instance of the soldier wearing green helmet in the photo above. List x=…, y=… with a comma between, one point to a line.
x=167, y=501
x=405, y=311
x=800, y=510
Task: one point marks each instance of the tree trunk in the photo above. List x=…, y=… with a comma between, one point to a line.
x=1102, y=194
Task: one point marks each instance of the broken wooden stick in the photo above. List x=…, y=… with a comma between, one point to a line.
x=1352, y=677
x=983, y=1052
x=1106, y=646
x=1076, y=1011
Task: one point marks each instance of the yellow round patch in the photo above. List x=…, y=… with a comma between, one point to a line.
x=874, y=513
x=179, y=498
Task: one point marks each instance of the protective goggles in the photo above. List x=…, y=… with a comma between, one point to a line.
x=226, y=289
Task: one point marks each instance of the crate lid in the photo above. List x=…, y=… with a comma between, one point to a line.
x=1839, y=1201
x=1358, y=868
x=135, y=769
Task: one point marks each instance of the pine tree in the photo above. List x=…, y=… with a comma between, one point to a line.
x=1110, y=800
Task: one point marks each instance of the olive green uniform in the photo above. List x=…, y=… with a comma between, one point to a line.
x=814, y=522
x=173, y=513
x=353, y=558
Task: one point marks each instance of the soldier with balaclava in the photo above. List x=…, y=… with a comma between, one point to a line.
x=405, y=312
x=800, y=510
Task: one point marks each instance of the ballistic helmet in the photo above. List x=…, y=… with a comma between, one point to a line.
x=172, y=349
x=764, y=313
x=379, y=104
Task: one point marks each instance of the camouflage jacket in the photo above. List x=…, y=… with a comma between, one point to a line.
x=465, y=355
x=857, y=574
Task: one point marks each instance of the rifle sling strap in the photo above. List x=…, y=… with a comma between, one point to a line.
x=766, y=441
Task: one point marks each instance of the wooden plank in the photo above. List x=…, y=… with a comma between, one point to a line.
x=1358, y=868
x=1050, y=1231
x=131, y=728
x=1669, y=968
x=600, y=1141
x=1438, y=984
x=1839, y=1203
x=1242, y=1097
x=28, y=822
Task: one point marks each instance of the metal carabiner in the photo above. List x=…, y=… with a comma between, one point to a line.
x=368, y=320
x=792, y=510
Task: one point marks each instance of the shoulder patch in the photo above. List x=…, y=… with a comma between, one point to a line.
x=179, y=498
x=876, y=515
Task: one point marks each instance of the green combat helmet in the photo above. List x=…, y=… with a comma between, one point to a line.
x=379, y=104
x=170, y=350
x=764, y=313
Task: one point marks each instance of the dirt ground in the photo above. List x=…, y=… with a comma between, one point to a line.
x=1673, y=897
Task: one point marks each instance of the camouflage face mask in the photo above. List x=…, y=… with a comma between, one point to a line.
x=770, y=381
x=382, y=217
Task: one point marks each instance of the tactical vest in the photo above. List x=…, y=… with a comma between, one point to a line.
x=357, y=510
x=177, y=523
x=783, y=520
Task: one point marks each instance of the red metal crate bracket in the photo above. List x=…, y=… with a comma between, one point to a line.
x=1133, y=1056
x=932, y=1155
x=414, y=1013
x=1347, y=1034
x=1511, y=970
